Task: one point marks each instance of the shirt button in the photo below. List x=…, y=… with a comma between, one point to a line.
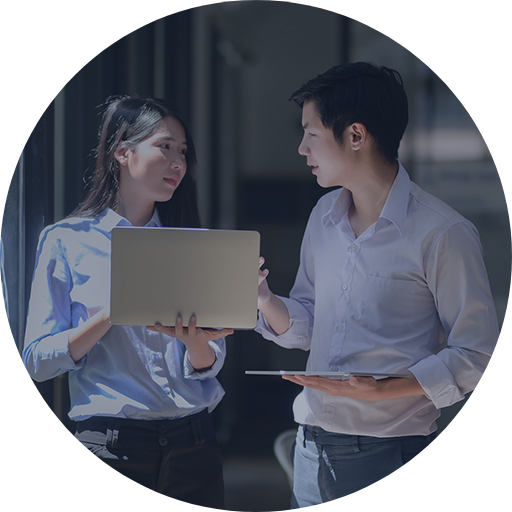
x=344, y=286
x=340, y=328
x=353, y=247
x=162, y=441
x=328, y=408
x=334, y=368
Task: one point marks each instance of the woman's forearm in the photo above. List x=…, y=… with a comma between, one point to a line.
x=83, y=338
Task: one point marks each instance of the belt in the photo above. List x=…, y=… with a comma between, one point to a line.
x=144, y=434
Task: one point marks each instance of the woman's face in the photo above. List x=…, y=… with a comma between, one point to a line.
x=153, y=170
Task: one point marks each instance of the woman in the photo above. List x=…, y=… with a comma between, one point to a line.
x=140, y=396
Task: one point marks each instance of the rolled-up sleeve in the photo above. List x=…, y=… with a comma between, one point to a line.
x=46, y=351
x=458, y=280
x=298, y=334
x=219, y=347
x=300, y=305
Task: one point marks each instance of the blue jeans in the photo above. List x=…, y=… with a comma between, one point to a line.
x=328, y=466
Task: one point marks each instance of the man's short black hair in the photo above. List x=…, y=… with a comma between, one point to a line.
x=360, y=92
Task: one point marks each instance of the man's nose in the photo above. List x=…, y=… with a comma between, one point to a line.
x=303, y=148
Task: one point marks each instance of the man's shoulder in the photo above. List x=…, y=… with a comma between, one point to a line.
x=434, y=208
x=326, y=202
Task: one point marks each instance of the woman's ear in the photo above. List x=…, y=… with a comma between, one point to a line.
x=121, y=154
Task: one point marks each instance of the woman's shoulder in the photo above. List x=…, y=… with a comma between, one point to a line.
x=68, y=229
x=73, y=224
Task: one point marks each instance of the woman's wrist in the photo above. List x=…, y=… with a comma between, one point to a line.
x=201, y=355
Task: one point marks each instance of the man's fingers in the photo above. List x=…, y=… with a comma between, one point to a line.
x=262, y=275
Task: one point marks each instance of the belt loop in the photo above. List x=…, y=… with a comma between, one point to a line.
x=112, y=433
x=197, y=431
x=355, y=444
x=304, y=430
x=115, y=433
x=110, y=425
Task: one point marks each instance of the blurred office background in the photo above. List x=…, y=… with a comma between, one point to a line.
x=231, y=67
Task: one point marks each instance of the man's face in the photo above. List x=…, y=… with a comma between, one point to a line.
x=323, y=153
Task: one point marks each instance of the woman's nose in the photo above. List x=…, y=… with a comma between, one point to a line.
x=179, y=161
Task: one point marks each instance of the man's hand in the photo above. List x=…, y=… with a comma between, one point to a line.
x=272, y=307
x=264, y=293
x=362, y=388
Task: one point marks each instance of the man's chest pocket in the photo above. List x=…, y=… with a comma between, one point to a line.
x=389, y=306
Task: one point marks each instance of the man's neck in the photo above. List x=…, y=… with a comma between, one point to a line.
x=370, y=196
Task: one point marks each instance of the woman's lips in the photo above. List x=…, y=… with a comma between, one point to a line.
x=172, y=180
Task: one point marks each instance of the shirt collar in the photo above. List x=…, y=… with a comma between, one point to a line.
x=110, y=219
x=394, y=210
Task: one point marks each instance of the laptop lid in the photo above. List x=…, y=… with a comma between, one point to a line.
x=158, y=273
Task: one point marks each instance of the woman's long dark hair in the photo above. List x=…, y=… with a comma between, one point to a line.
x=127, y=121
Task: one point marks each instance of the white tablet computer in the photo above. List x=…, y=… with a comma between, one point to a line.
x=160, y=273
x=331, y=375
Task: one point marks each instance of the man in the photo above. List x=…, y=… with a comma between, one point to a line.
x=391, y=280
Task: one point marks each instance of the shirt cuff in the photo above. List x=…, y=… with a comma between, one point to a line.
x=437, y=381
x=51, y=357
x=191, y=373
x=298, y=334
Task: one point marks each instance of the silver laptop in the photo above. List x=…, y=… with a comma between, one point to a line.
x=160, y=273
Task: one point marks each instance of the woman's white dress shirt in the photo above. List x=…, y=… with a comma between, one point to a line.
x=131, y=372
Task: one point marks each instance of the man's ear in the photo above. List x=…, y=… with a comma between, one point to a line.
x=358, y=135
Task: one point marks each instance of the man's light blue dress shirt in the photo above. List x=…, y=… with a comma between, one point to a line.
x=410, y=294
x=131, y=372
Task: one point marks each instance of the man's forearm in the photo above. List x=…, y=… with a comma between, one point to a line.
x=276, y=314
x=399, y=387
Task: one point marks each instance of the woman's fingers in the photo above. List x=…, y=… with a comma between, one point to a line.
x=192, y=326
x=170, y=331
x=217, y=334
x=191, y=332
x=179, y=326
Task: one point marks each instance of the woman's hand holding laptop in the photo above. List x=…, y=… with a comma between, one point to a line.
x=201, y=355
